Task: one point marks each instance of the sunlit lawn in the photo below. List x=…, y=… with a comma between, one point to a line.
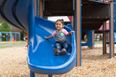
x=22, y=43
x=12, y=44
x=98, y=42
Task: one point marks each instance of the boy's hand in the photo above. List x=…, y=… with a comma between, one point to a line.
x=70, y=33
x=46, y=37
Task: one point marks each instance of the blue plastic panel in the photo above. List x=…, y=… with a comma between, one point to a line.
x=114, y=0
x=41, y=55
x=115, y=17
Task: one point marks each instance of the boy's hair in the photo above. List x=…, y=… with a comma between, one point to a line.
x=61, y=20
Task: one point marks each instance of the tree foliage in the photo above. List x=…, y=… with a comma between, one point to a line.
x=4, y=27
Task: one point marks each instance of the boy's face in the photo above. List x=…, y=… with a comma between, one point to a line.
x=59, y=25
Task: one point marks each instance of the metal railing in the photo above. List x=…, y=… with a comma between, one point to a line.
x=102, y=1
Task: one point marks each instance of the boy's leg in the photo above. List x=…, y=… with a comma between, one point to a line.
x=57, y=45
x=57, y=48
x=64, y=47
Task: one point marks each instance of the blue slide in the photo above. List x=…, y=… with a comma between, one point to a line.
x=41, y=58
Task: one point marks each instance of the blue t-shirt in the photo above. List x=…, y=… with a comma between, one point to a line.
x=60, y=36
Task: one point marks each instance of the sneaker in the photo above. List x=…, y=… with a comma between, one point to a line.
x=68, y=53
x=63, y=52
x=56, y=52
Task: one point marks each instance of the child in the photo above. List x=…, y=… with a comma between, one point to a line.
x=26, y=39
x=60, y=37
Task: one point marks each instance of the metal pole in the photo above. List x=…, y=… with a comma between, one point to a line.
x=90, y=41
x=50, y=75
x=111, y=29
x=35, y=3
x=0, y=36
x=32, y=74
x=11, y=36
x=37, y=7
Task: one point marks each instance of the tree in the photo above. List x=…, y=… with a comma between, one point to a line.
x=4, y=27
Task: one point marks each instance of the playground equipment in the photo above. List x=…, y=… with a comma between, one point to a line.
x=89, y=38
x=10, y=36
x=41, y=58
x=22, y=14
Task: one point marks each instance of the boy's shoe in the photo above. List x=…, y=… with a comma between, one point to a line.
x=56, y=51
x=68, y=53
x=63, y=52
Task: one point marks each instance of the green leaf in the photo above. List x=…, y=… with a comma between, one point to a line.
x=4, y=27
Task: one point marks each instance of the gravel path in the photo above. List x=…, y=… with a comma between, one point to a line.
x=13, y=64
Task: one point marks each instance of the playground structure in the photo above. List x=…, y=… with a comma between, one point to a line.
x=24, y=15
x=10, y=36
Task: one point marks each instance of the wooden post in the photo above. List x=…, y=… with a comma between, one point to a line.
x=38, y=7
x=41, y=8
x=104, y=39
x=111, y=29
x=78, y=30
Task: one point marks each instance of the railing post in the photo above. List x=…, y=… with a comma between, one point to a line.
x=32, y=74
x=50, y=75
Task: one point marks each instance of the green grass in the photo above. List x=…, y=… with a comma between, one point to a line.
x=98, y=42
x=22, y=43
x=11, y=44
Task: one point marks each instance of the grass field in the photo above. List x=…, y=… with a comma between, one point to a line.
x=11, y=44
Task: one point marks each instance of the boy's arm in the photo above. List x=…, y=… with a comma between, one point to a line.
x=48, y=37
x=51, y=36
x=69, y=33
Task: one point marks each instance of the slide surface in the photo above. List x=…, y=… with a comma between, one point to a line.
x=41, y=56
